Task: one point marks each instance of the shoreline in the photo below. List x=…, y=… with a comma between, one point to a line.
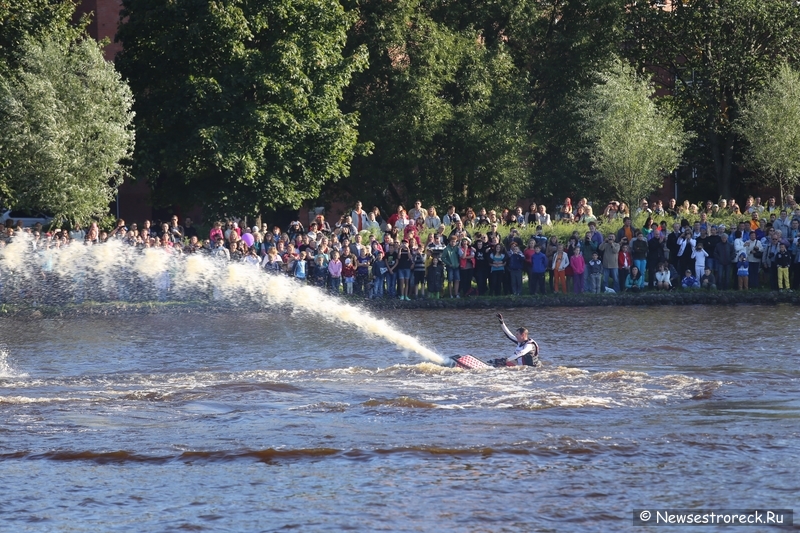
x=672, y=298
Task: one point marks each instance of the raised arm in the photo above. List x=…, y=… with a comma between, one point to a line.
x=506, y=331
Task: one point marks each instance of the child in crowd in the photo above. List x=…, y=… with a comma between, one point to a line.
x=699, y=255
x=417, y=272
x=689, y=281
x=335, y=272
x=252, y=257
x=362, y=272
x=320, y=271
x=435, y=277
x=578, y=266
x=595, y=273
x=663, y=282
x=538, y=268
x=708, y=281
x=560, y=264
x=783, y=259
x=743, y=272
x=349, y=275
x=299, y=271
x=378, y=274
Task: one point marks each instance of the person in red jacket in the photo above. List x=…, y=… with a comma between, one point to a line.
x=625, y=263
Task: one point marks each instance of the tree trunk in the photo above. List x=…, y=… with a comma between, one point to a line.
x=727, y=169
x=722, y=154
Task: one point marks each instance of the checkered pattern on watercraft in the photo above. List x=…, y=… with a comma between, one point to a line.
x=469, y=362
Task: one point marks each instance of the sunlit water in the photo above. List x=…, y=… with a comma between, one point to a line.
x=277, y=421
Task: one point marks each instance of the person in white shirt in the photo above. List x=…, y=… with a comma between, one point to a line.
x=359, y=218
x=417, y=212
x=527, y=351
x=699, y=255
x=542, y=217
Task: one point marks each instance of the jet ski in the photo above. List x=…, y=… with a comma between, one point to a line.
x=473, y=363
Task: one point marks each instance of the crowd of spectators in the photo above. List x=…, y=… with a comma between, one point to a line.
x=416, y=253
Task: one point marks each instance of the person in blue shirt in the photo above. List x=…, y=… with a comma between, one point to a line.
x=538, y=268
x=635, y=281
x=516, y=264
x=689, y=281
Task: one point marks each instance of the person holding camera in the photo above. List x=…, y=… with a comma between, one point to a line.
x=755, y=253
x=686, y=245
x=699, y=255
x=404, y=263
x=119, y=229
x=610, y=251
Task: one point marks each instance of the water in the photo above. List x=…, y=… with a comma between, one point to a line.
x=277, y=421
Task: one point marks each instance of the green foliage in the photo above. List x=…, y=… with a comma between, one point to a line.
x=633, y=143
x=25, y=20
x=770, y=123
x=560, y=47
x=444, y=109
x=237, y=101
x=710, y=56
x=65, y=125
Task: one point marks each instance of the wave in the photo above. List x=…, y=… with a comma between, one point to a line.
x=6, y=370
x=402, y=401
x=21, y=400
x=433, y=387
x=548, y=448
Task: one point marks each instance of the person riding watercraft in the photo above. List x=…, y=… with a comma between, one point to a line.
x=527, y=351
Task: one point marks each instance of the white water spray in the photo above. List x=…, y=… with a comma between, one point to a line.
x=114, y=271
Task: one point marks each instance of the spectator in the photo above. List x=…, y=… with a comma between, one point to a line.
x=689, y=281
x=724, y=257
x=559, y=267
x=498, y=258
x=663, y=282
x=755, y=252
x=432, y=221
x=516, y=264
x=542, y=217
x=610, y=251
x=635, y=281
x=578, y=266
x=359, y=218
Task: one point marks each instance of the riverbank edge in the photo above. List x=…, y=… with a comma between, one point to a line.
x=673, y=298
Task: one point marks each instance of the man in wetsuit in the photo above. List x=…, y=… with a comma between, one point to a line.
x=527, y=352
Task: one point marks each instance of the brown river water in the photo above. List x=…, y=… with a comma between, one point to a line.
x=280, y=421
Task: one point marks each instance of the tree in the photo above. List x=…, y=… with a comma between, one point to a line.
x=633, y=143
x=237, y=102
x=770, y=123
x=560, y=45
x=444, y=110
x=25, y=20
x=713, y=55
x=65, y=127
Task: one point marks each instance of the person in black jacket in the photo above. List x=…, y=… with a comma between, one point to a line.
x=482, y=267
x=655, y=256
x=724, y=260
x=435, y=277
x=672, y=244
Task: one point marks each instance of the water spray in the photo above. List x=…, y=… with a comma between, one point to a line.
x=119, y=272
